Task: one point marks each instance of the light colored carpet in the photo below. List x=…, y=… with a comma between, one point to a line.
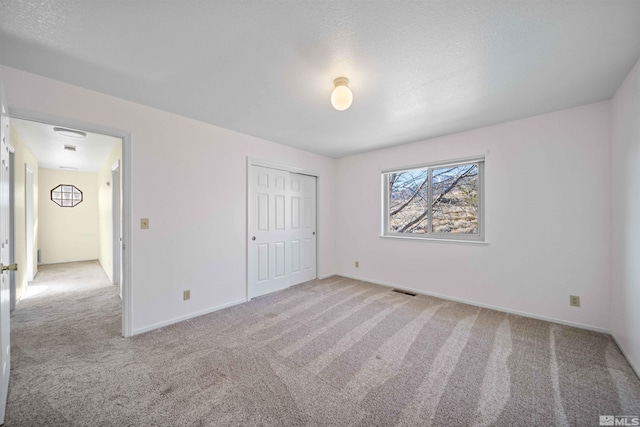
x=330, y=352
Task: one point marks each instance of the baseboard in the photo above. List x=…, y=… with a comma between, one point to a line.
x=477, y=304
x=635, y=368
x=186, y=317
x=69, y=262
x=324, y=276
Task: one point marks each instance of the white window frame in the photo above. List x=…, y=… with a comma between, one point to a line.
x=469, y=238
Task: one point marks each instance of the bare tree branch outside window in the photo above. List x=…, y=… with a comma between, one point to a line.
x=441, y=200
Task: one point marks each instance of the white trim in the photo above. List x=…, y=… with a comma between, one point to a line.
x=125, y=164
x=452, y=162
x=280, y=166
x=466, y=238
x=29, y=220
x=12, y=224
x=478, y=304
x=187, y=317
x=325, y=276
x=116, y=262
x=247, y=226
x=635, y=368
x=127, y=284
x=432, y=239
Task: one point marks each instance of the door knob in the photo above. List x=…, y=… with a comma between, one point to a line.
x=253, y=238
x=11, y=267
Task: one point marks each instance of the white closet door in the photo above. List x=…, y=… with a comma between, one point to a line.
x=282, y=220
x=303, y=222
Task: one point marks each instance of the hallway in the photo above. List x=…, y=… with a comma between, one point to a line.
x=67, y=309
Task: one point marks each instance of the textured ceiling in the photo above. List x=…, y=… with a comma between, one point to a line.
x=418, y=69
x=48, y=147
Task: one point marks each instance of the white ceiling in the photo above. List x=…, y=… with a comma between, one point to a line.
x=418, y=69
x=48, y=147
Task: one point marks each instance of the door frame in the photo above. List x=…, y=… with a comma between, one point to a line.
x=29, y=219
x=288, y=168
x=125, y=165
x=116, y=230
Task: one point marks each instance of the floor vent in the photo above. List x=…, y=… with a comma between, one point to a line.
x=400, y=291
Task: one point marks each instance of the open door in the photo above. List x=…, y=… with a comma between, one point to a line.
x=5, y=172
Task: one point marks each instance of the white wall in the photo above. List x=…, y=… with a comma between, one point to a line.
x=189, y=178
x=548, y=214
x=548, y=218
x=23, y=157
x=67, y=234
x=105, y=213
x=625, y=307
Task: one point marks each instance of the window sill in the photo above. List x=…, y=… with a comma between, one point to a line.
x=431, y=239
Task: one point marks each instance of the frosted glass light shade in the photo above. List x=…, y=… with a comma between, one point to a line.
x=70, y=133
x=341, y=97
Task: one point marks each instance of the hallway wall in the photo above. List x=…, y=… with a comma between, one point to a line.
x=67, y=234
x=105, y=214
x=23, y=156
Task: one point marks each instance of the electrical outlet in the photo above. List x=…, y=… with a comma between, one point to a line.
x=186, y=295
x=574, y=301
x=144, y=223
x=357, y=264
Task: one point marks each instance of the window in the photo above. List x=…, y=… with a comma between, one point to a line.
x=66, y=195
x=438, y=201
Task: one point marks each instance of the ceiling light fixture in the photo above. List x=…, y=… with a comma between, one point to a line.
x=341, y=97
x=69, y=132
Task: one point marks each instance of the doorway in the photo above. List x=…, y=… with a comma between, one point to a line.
x=281, y=229
x=80, y=143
